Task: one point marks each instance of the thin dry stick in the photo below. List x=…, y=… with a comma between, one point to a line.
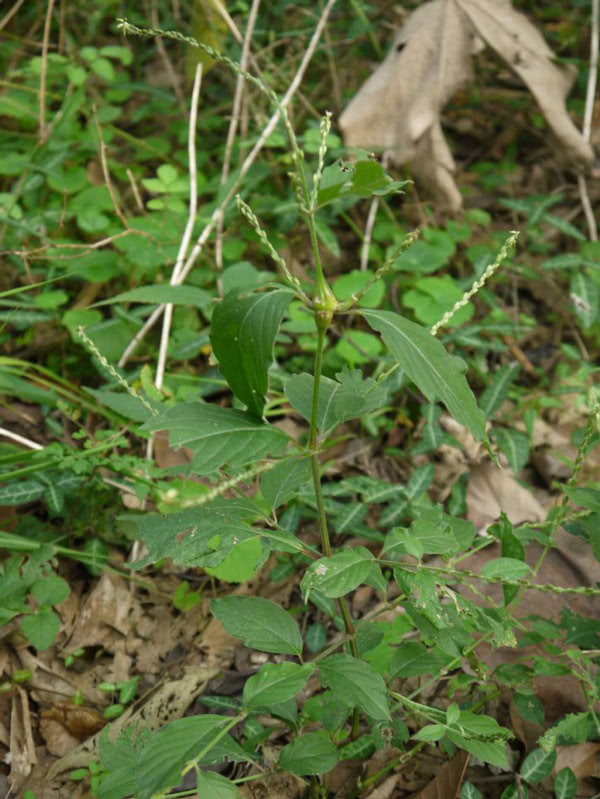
x=187, y=234
x=587, y=119
x=105, y=172
x=10, y=14
x=27, y=442
x=233, y=126
x=372, y=216
x=252, y=155
x=43, y=71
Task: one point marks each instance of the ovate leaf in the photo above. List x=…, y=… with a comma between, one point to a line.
x=201, y=536
x=308, y=754
x=243, y=330
x=217, y=436
x=439, y=375
x=275, y=683
x=260, y=624
x=283, y=481
x=338, y=575
x=355, y=682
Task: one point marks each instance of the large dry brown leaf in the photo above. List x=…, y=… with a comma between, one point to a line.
x=398, y=108
x=447, y=782
x=168, y=702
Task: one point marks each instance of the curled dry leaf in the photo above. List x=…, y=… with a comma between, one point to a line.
x=398, y=108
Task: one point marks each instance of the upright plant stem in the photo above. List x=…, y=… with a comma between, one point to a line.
x=322, y=325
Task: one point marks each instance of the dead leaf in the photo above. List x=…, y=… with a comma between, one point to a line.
x=105, y=610
x=167, y=702
x=448, y=780
x=22, y=746
x=386, y=789
x=398, y=108
x=583, y=759
x=79, y=721
x=492, y=490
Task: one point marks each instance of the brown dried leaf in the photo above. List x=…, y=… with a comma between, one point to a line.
x=79, y=721
x=398, y=107
x=448, y=780
x=22, y=747
x=166, y=703
x=583, y=759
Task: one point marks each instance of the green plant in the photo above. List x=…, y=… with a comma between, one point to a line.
x=263, y=490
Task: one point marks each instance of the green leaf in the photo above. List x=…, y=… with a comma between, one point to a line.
x=201, y=536
x=338, y=575
x=355, y=682
x=298, y=389
x=261, y=624
x=242, y=335
x=283, y=481
x=51, y=590
x=174, y=745
x=431, y=732
x=433, y=533
x=275, y=683
x=529, y=707
x=565, y=784
x=584, y=295
x=18, y=493
x=242, y=562
x=573, y=728
x=514, y=444
x=469, y=791
x=360, y=179
x=586, y=497
x=412, y=659
x=41, y=629
x=538, y=765
x=159, y=294
x=349, y=284
x=438, y=374
x=124, y=404
x=497, y=390
x=217, y=436
x=506, y=569
x=356, y=395
x=308, y=754
x=210, y=785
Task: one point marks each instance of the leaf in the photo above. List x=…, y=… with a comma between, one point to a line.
x=201, y=536
x=308, y=754
x=355, y=682
x=275, y=683
x=505, y=569
x=565, y=784
x=242, y=334
x=217, y=436
x=497, y=390
x=299, y=388
x=174, y=745
x=41, y=628
x=398, y=108
x=124, y=404
x=214, y=786
x=159, y=294
x=469, y=791
x=356, y=395
x=50, y=590
x=338, y=575
x=448, y=779
x=283, y=481
x=538, y=765
x=18, y=493
x=515, y=445
x=261, y=624
x=426, y=362
x=412, y=659
x=584, y=295
x=364, y=178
